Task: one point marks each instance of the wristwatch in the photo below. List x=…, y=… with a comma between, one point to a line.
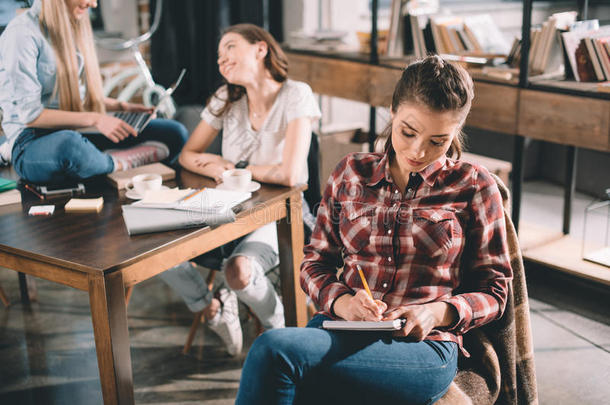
x=242, y=164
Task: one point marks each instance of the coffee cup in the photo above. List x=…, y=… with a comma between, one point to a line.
x=145, y=182
x=237, y=179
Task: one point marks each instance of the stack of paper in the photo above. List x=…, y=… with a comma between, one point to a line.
x=178, y=209
x=84, y=205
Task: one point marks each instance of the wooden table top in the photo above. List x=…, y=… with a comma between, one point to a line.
x=98, y=242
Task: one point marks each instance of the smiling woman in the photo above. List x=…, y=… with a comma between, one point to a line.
x=266, y=121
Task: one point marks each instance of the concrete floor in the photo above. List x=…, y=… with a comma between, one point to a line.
x=47, y=352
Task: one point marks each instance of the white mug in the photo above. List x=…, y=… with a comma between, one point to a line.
x=145, y=182
x=237, y=179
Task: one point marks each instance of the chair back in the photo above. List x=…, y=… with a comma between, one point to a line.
x=313, y=194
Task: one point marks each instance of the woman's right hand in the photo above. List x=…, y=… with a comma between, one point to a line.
x=359, y=307
x=113, y=128
x=214, y=167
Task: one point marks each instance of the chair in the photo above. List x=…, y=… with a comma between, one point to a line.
x=501, y=367
x=312, y=196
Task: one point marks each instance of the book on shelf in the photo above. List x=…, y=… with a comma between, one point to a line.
x=594, y=58
x=602, y=46
x=418, y=34
x=584, y=67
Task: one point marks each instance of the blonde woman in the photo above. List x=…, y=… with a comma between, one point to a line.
x=51, y=86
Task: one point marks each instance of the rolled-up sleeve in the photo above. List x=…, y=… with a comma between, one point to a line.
x=20, y=84
x=214, y=106
x=323, y=255
x=486, y=270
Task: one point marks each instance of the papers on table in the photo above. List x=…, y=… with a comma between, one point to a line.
x=205, y=200
x=165, y=210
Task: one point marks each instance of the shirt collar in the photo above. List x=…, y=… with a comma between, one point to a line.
x=428, y=174
x=36, y=8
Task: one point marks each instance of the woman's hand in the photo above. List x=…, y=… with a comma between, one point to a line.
x=131, y=107
x=214, y=167
x=421, y=319
x=359, y=307
x=113, y=128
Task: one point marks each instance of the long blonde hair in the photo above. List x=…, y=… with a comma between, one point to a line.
x=66, y=36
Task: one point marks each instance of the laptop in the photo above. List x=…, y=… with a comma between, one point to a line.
x=139, y=120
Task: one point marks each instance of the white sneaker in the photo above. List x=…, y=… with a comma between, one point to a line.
x=226, y=322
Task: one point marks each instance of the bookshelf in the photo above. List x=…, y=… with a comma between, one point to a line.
x=568, y=113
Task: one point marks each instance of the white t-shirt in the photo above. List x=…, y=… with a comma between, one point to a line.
x=265, y=146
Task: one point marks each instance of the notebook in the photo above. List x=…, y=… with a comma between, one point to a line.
x=7, y=184
x=395, y=324
x=120, y=179
x=10, y=197
x=140, y=220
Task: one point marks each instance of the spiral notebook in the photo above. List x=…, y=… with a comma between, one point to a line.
x=395, y=324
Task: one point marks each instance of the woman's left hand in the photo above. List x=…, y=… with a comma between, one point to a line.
x=421, y=319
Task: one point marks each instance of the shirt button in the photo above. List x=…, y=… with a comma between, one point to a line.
x=385, y=285
x=390, y=259
x=389, y=231
x=395, y=191
x=413, y=174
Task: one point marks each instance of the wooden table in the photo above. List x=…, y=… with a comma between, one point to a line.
x=94, y=253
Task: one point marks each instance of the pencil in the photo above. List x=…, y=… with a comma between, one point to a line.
x=33, y=191
x=366, y=285
x=193, y=195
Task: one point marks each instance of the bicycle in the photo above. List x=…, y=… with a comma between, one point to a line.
x=132, y=80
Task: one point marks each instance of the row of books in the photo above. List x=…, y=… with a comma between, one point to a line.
x=580, y=48
x=418, y=35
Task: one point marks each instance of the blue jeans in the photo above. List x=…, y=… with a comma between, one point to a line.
x=56, y=156
x=315, y=366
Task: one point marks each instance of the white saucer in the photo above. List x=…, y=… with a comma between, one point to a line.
x=133, y=195
x=254, y=185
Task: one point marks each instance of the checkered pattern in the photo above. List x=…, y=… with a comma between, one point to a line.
x=443, y=240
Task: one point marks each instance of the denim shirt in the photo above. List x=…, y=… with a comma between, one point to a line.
x=27, y=76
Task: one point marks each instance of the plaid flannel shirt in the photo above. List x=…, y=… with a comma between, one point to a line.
x=444, y=240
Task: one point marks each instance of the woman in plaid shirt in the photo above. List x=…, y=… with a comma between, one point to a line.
x=428, y=233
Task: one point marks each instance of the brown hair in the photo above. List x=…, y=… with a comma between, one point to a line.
x=66, y=36
x=438, y=85
x=276, y=61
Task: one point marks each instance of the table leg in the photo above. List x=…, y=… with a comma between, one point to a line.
x=109, y=316
x=290, y=240
x=23, y=288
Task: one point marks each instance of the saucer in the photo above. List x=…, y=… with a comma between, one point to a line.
x=254, y=185
x=133, y=195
